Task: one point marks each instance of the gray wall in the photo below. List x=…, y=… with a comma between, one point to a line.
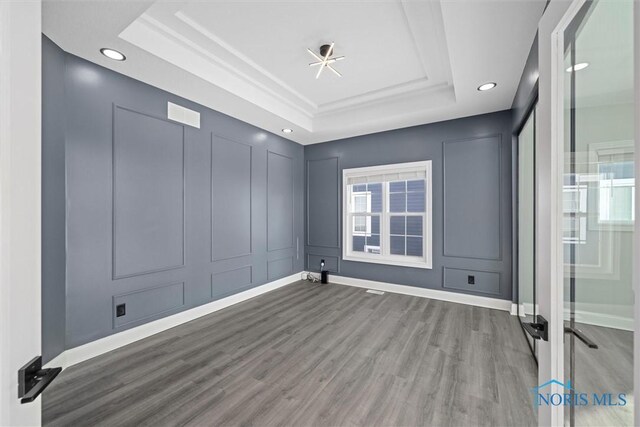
x=53, y=200
x=471, y=202
x=161, y=216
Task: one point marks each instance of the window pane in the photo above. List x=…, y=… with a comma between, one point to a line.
x=397, y=187
x=414, y=226
x=360, y=203
x=414, y=246
x=359, y=224
x=415, y=185
x=359, y=188
x=397, y=225
x=397, y=202
x=373, y=242
x=415, y=202
x=358, y=243
x=375, y=224
x=397, y=245
x=376, y=197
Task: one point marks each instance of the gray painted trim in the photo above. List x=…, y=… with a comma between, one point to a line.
x=139, y=291
x=216, y=135
x=114, y=276
x=269, y=262
x=500, y=190
x=337, y=257
x=339, y=202
x=445, y=268
x=293, y=203
x=242, y=267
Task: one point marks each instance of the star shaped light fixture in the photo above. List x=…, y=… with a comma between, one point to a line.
x=325, y=59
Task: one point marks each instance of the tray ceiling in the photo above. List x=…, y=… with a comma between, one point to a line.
x=407, y=62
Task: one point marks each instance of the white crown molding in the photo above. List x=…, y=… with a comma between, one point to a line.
x=226, y=46
x=420, y=87
x=158, y=39
x=104, y=345
x=198, y=50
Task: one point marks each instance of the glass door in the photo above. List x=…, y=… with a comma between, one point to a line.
x=598, y=214
x=526, y=225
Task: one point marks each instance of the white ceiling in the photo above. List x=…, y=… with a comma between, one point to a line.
x=408, y=62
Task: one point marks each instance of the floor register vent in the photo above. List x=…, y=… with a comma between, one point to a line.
x=373, y=291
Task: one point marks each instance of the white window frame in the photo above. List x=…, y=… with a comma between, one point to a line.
x=384, y=257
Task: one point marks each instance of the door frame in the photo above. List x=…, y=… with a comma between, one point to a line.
x=20, y=202
x=554, y=415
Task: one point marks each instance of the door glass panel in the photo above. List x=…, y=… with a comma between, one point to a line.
x=526, y=230
x=598, y=215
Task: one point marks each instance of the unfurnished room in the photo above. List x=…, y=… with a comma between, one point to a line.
x=319, y=213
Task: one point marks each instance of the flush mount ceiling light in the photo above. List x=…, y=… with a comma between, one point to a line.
x=578, y=67
x=487, y=86
x=325, y=59
x=112, y=54
x=287, y=130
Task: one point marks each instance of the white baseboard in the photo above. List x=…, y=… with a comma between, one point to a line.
x=601, y=319
x=497, y=304
x=103, y=345
x=589, y=317
x=514, y=309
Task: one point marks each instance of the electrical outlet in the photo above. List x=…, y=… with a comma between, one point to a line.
x=121, y=310
x=471, y=280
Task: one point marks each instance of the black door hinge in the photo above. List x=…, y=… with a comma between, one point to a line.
x=32, y=379
x=539, y=329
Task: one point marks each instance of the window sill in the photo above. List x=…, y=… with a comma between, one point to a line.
x=425, y=265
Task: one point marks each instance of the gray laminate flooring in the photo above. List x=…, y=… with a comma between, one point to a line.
x=309, y=354
x=607, y=369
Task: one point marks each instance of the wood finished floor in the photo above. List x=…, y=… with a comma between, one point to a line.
x=308, y=354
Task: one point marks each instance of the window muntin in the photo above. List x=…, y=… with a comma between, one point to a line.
x=387, y=214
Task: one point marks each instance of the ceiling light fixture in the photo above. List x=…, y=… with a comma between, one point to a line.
x=487, y=86
x=325, y=60
x=287, y=130
x=578, y=67
x=112, y=54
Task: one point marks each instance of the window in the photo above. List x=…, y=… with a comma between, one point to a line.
x=387, y=214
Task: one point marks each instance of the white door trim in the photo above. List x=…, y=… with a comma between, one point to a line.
x=549, y=145
x=20, y=234
x=556, y=320
x=636, y=273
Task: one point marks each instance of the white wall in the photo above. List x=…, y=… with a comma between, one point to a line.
x=19, y=203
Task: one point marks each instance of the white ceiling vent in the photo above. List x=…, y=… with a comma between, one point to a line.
x=183, y=115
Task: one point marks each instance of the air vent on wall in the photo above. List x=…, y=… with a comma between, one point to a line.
x=183, y=115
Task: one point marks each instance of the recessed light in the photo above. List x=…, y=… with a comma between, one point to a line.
x=487, y=86
x=287, y=130
x=112, y=54
x=578, y=67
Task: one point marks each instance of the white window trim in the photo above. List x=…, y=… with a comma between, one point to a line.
x=424, y=262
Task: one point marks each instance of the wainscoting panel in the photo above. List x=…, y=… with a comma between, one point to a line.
x=230, y=198
x=165, y=298
x=331, y=263
x=280, y=198
x=472, y=198
x=323, y=207
x=279, y=268
x=484, y=282
x=148, y=194
x=227, y=282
